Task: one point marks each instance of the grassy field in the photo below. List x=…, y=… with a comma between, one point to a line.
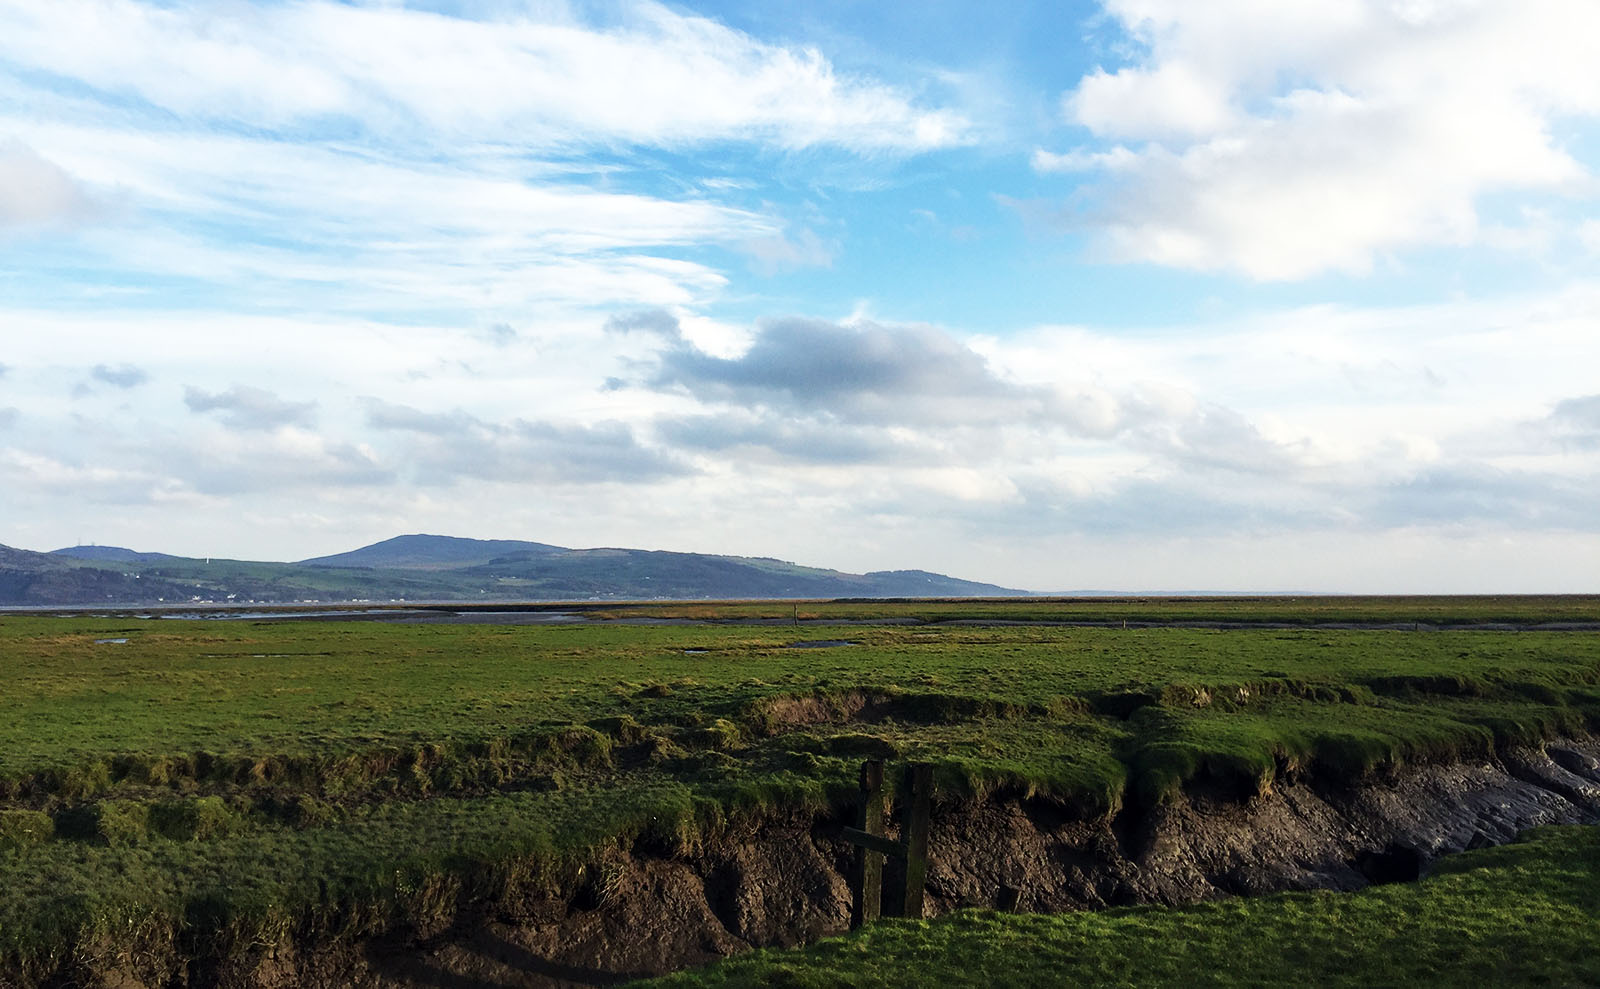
x=228, y=780
x=1525, y=914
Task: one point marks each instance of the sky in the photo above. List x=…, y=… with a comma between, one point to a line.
x=1127, y=295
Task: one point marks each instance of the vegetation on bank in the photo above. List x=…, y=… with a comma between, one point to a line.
x=209, y=785
x=1524, y=914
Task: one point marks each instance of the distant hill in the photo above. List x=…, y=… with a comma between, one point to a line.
x=29, y=578
x=425, y=552
x=110, y=553
x=423, y=567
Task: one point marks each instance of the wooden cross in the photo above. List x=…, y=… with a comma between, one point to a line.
x=867, y=900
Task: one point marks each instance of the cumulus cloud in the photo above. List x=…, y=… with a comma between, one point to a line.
x=121, y=376
x=938, y=415
x=653, y=76
x=1286, y=140
x=34, y=190
x=860, y=373
x=244, y=407
x=813, y=392
x=451, y=446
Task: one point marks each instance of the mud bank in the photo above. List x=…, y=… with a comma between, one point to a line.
x=782, y=881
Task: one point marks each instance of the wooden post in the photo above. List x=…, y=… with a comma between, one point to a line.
x=867, y=897
x=915, y=837
x=867, y=902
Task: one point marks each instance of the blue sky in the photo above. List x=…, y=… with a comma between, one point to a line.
x=1140, y=294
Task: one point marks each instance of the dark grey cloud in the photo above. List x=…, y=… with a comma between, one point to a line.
x=121, y=376
x=861, y=373
x=812, y=363
x=244, y=407
x=818, y=392
x=449, y=446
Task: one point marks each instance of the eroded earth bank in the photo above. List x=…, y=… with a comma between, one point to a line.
x=784, y=880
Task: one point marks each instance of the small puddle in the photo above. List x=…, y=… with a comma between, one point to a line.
x=820, y=644
x=111, y=642
x=695, y=652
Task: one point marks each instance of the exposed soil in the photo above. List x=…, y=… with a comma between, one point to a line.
x=783, y=881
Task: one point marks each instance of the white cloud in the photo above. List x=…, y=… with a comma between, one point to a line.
x=365, y=230
x=385, y=160
x=34, y=190
x=1322, y=429
x=1589, y=236
x=534, y=74
x=1283, y=140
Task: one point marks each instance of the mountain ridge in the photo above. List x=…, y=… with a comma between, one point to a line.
x=426, y=567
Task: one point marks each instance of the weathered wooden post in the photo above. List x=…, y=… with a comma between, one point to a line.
x=867, y=902
x=914, y=834
x=867, y=896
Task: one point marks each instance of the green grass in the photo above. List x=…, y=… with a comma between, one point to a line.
x=1525, y=914
x=230, y=780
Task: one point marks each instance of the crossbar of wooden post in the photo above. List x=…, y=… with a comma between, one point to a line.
x=875, y=843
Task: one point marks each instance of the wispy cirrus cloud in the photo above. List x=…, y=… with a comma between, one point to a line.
x=392, y=160
x=647, y=74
